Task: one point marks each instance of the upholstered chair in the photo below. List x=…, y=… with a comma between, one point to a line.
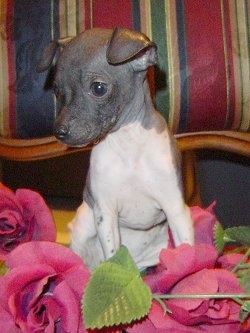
x=201, y=83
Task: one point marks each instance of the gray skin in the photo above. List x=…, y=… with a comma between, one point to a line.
x=102, y=87
x=84, y=116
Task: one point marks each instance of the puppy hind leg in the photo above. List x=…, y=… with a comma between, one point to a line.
x=84, y=239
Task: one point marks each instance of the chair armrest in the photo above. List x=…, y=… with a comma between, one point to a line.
x=49, y=147
x=227, y=141
x=34, y=149
x=230, y=141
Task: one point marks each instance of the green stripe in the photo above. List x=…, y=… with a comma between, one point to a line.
x=158, y=21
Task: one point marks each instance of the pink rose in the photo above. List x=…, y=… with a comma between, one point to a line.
x=179, y=262
x=206, y=312
x=204, y=222
x=42, y=290
x=24, y=216
x=193, y=270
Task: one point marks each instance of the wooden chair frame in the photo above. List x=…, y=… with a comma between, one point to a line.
x=49, y=147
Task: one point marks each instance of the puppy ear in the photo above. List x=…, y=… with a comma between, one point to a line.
x=49, y=53
x=127, y=45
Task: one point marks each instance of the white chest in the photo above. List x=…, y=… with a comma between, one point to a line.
x=128, y=171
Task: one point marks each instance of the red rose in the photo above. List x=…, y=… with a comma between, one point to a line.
x=42, y=290
x=207, y=312
x=24, y=216
x=179, y=262
x=193, y=270
x=204, y=222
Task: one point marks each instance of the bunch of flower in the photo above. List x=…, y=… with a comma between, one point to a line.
x=45, y=287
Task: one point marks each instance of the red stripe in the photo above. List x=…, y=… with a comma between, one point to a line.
x=11, y=69
x=87, y=15
x=112, y=13
x=206, y=63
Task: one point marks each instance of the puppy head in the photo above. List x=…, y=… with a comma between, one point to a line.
x=98, y=76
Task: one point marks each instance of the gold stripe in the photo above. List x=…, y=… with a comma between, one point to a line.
x=226, y=62
x=145, y=11
x=173, y=65
x=4, y=75
x=62, y=18
x=71, y=18
x=244, y=64
x=236, y=65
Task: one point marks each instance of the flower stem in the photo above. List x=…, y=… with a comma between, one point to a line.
x=238, y=266
x=199, y=296
x=162, y=304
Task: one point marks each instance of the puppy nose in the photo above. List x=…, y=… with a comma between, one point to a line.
x=61, y=132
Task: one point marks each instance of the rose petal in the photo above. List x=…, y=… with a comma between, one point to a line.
x=7, y=323
x=179, y=262
x=192, y=311
x=55, y=255
x=188, y=258
x=228, y=261
x=37, y=212
x=61, y=308
x=70, y=305
x=8, y=200
x=24, y=216
x=221, y=328
x=145, y=326
x=76, y=274
x=166, y=323
x=228, y=282
x=17, y=278
x=201, y=282
x=204, y=221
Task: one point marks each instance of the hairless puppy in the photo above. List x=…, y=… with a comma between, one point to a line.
x=133, y=190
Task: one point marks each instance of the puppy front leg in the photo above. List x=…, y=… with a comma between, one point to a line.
x=84, y=238
x=107, y=230
x=178, y=214
x=181, y=224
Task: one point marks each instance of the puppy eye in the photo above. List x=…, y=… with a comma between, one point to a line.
x=99, y=89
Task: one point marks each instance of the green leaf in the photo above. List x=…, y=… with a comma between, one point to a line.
x=3, y=268
x=124, y=259
x=116, y=293
x=222, y=236
x=245, y=311
x=239, y=234
x=219, y=234
x=244, y=279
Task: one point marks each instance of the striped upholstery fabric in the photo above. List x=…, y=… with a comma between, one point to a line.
x=202, y=81
x=204, y=50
